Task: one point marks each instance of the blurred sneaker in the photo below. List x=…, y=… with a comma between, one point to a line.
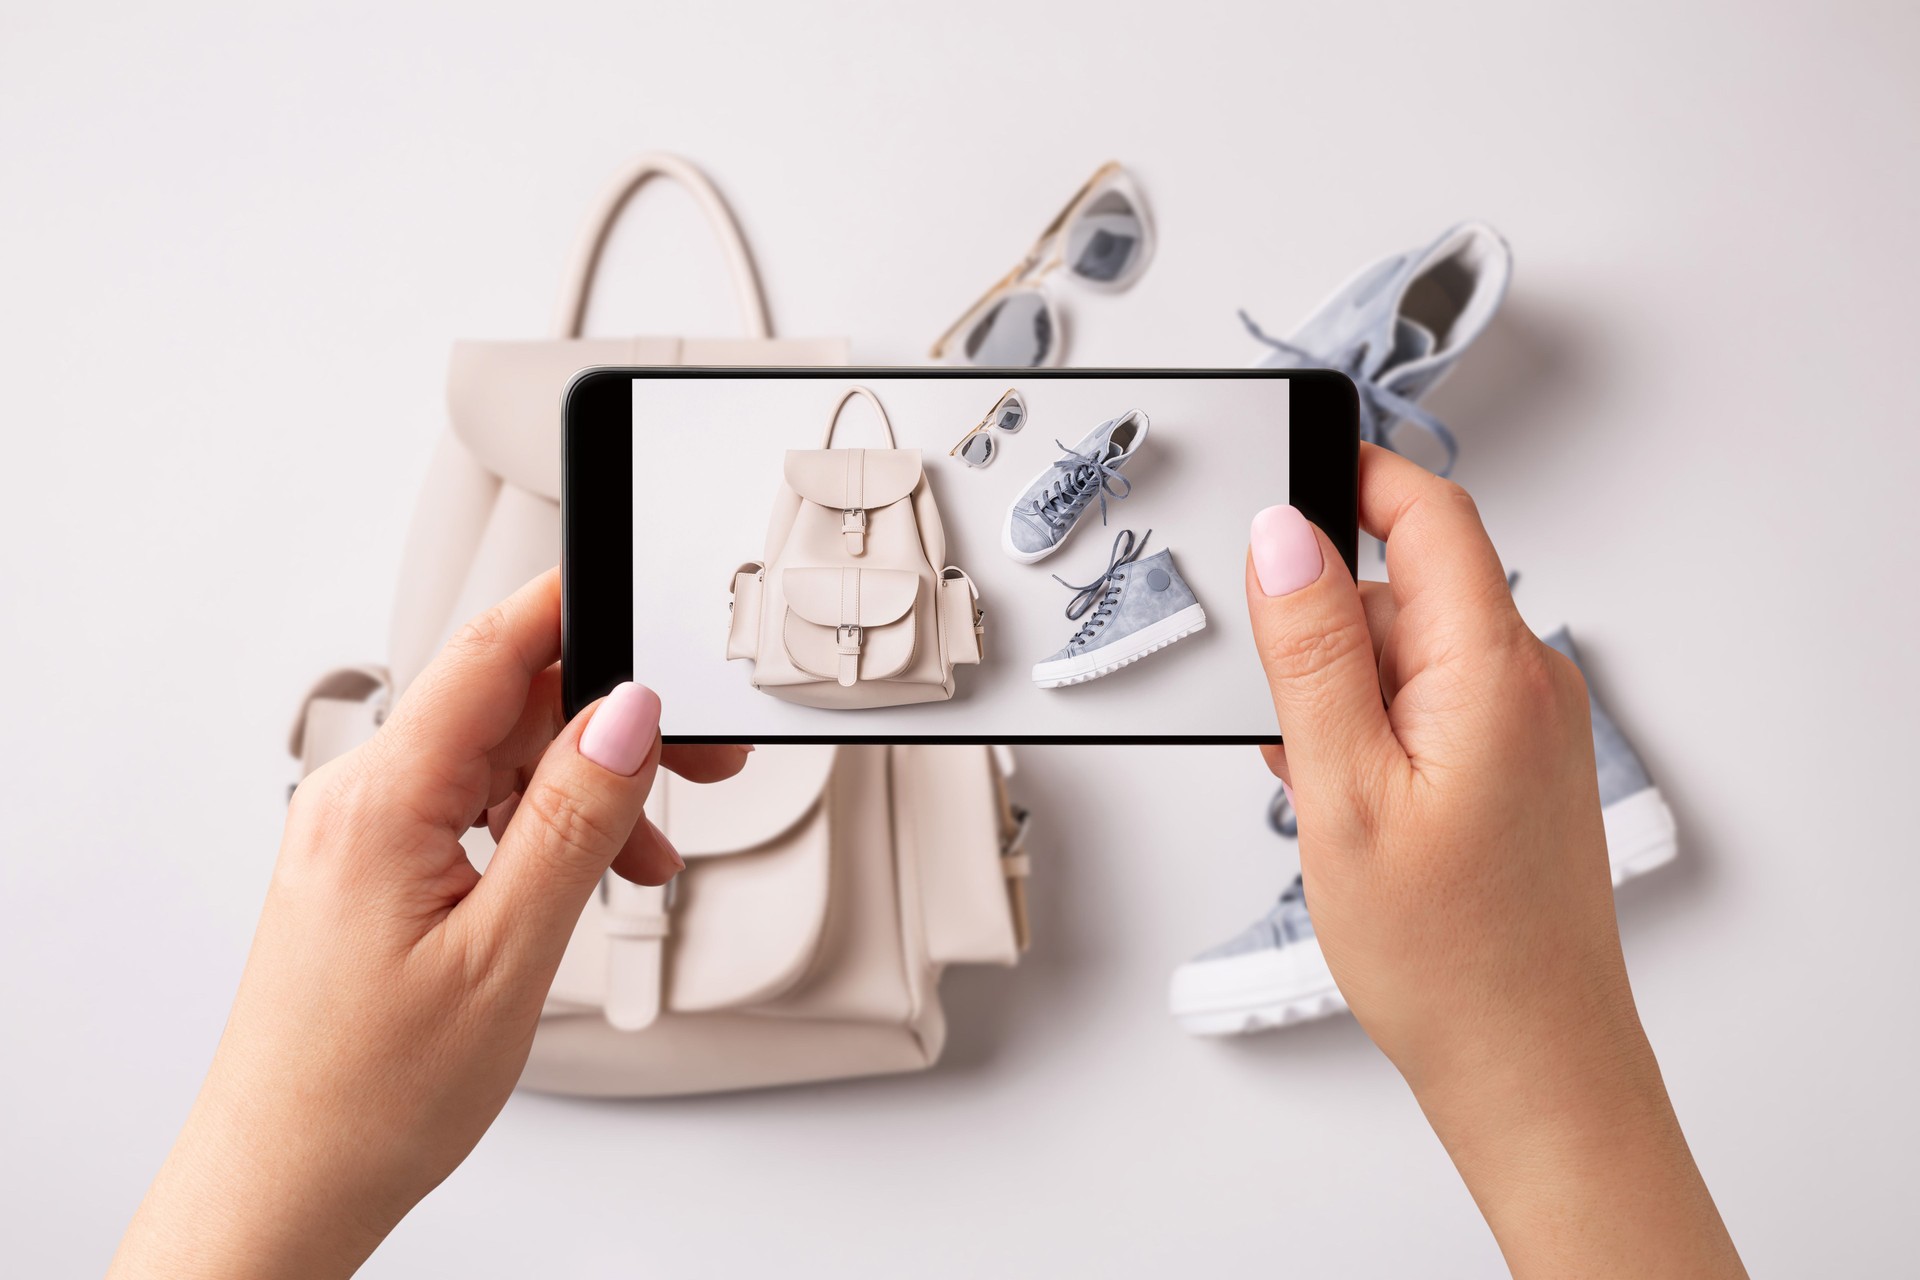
x=1640, y=830
x=1272, y=974
x=1137, y=607
x=1044, y=514
x=1399, y=326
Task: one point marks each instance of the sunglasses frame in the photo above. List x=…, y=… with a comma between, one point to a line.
x=1048, y=255
x=987, y=424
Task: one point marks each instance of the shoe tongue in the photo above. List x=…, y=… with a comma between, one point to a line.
x=1411, y=341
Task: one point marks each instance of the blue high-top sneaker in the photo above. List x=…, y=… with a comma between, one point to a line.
x=1047, y=510
x=1138, y=606
x=1399, y=326
x=1268, y=975
x=1272, y=973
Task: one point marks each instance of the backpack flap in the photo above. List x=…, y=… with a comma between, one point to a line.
x=742, y=923
x=849, y=624
x=853, y=482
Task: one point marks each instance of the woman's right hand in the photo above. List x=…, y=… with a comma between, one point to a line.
x=1440, y=760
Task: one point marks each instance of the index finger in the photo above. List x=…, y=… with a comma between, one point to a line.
x=472, y=694
x=1437, y=546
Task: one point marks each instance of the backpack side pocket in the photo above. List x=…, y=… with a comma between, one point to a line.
x=962, y=620
x=743, y=620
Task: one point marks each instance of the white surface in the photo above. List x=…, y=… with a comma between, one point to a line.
x=1215, y=449
x=1692, y=427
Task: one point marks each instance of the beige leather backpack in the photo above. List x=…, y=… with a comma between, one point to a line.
x=854, y=605
x=826, y=887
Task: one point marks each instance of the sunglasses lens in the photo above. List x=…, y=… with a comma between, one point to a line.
x=1017, y=332
x=1103, y=245
x=1012, y=414
x=978, y=450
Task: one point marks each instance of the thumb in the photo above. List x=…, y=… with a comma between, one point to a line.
x=578, y=811
x=1311, y=629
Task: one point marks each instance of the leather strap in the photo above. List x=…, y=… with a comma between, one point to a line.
x=343, y=709
x=847, y=642
x=572, y=317
x=636, y=921
x=850, y=637
x=872, y=399
x=1014, y=862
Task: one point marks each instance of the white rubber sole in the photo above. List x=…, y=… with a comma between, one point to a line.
x=1264, y=989
x=1640, y=835
x=1254, y=991
x=1018, y=556
x=1110, y=658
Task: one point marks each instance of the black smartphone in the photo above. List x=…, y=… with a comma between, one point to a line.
x=938, y=555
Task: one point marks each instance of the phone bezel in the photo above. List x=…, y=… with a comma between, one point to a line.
x=596, y=510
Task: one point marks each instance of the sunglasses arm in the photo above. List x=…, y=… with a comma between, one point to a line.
x=970, y=435
x=1035, y=262
x=979, y=304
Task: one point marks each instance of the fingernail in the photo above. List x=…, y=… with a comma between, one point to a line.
x=622, y=729
x=679, y=863
x=1289, y=793
x=1286, y=555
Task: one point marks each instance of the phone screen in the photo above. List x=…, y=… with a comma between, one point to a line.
x=1073, y=570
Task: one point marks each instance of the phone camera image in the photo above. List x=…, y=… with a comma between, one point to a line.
x=952, y=555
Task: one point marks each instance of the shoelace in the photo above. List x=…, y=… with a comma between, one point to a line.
x=1377, y=404
x=1087, y=474
x=1101, y=595
x=1281, y=817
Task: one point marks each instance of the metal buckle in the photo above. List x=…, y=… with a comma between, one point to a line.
x=848, y=634
x=1016, y=843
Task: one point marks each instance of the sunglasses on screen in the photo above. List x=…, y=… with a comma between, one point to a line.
x=977, y=447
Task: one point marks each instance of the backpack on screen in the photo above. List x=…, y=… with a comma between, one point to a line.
x=854, y=605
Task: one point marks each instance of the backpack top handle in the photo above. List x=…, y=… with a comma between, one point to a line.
x=586, y=256
x=841, y=404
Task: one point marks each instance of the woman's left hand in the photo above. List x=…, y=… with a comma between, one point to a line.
x=391, y=995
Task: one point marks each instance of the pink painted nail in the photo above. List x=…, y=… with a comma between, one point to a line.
x=622, y=729
x=1286, y=554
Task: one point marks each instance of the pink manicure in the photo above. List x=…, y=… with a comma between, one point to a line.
x=1286, y=554
x=622, y=730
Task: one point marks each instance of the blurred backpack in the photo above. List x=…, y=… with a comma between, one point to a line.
x=826, y=886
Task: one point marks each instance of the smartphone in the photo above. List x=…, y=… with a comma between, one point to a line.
x=938, y=555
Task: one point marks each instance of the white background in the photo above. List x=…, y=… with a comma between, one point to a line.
x=1215, y=448
x=235, y=244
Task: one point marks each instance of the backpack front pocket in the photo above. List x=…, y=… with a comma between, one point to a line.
x=849, y=625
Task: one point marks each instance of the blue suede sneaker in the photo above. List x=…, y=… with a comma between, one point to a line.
x=1136, y=607
x=1272, y=973
x=1640, y=830
x=1398, y=328
x=1268, y=975
x=1046, y=511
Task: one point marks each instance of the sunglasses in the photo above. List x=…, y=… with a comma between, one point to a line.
x=977, y=447
x=1101, y=239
